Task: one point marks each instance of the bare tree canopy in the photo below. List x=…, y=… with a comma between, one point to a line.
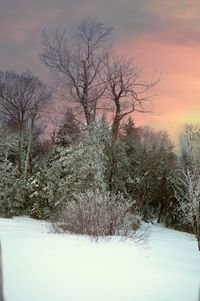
x=89, y=73
x=127, y=94
x=126, y=89
x=22, y=97
x=80, y=69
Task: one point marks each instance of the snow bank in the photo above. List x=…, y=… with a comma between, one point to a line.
x=41, y=266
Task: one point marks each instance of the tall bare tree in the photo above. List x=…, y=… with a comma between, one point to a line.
x=127, y=92
x=126, y=89
x=22, y=98
x=91, y=72
x=79, y=68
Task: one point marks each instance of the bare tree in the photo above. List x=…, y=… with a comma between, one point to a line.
x=127, y=93
x=126, y=89
x=22, y=98
x=91, y=72
x=79, y=69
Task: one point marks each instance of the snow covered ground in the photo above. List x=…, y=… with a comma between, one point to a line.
x=41, y=266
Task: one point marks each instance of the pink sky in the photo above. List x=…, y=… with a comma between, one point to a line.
x=178, y=94
x=163, y=36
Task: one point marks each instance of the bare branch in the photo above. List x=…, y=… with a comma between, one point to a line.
x=80, y=72
x=126, y=88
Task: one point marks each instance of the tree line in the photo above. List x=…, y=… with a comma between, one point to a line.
x=96, y=148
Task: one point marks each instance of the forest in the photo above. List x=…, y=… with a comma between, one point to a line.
x=88, y=167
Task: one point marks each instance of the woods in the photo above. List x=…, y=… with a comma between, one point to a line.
x=97, y=152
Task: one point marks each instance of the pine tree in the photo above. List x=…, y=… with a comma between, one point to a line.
x=84, y=165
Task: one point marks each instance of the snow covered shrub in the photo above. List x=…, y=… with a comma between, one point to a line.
x=97, y=214
x=188, y=195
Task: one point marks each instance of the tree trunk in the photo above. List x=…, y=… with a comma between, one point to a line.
x=115, y=128
x=88, y=116
x=27, y=157
x=111, y=166
x=20, y=146
x=112, y=161
x=159, y=213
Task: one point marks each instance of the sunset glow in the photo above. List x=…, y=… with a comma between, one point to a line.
x=163, y=36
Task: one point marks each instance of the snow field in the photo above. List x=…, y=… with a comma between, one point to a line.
x=41, y=266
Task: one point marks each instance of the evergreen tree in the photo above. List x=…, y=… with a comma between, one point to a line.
x=69, y=131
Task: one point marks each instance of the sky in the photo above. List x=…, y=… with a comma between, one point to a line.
x=162, y=35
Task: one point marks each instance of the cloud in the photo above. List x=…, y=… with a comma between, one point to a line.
x=156, y=32
x=180, y=20
x=21, y=25
x=168, y=21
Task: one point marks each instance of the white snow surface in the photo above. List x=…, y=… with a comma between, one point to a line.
x=43, y=266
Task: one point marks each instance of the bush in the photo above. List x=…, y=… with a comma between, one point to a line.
x=97, y=214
